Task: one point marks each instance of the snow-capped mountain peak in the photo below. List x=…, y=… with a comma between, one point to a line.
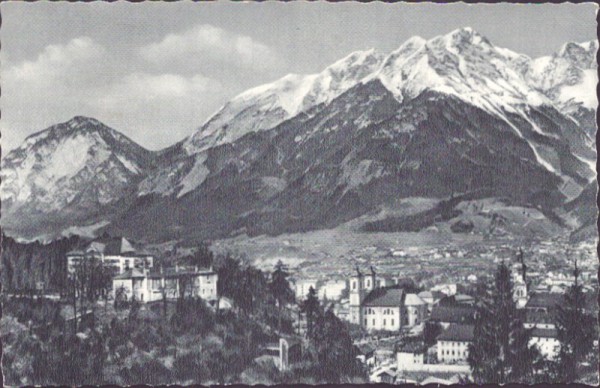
x=462, y=63
x=266, y=106
x=80, y=162
x=568, y=77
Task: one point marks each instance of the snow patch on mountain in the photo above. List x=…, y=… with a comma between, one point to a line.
x=196, y=176
x=583, y=92
x=268, y=105
x=80, y=158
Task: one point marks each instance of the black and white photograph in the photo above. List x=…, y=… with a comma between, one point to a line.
x=284, y=193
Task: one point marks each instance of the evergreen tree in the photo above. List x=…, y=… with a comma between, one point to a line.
x=500, y=351
x=280, y=289
x=335, y=355
x=575, y=330
x=311, y=308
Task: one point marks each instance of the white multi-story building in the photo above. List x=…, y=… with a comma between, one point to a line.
x=453, y=344
x=145, y=286
x=117, y=254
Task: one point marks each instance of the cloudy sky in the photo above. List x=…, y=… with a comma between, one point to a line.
x=157, y=71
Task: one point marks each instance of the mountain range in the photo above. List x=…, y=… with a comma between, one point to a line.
x=440, y=118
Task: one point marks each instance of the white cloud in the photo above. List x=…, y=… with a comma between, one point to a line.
x=156, y=94
x=158, y=109
x=207, y=46
x=38, y=93
x=81, y=77
x=58, y=61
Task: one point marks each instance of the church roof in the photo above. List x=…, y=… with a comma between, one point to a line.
x=385, y=297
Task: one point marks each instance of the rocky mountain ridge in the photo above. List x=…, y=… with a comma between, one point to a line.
x=454, y=114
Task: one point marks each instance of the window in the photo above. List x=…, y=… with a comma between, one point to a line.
x=365, y=321
x=354, y=285
x=392, y=322
x=373, y=321
x=384, y=322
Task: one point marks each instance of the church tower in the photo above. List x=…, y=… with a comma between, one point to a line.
x=371, y=281
x=520, y=287
x=357, y=295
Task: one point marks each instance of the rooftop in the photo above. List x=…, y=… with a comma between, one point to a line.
x=544, y=333
x=365, y=348
x=111, y=246
x=456, y=332
x=414, y=300
x=180, y=271
x=544, y=300
x=385, y=297
x=415, y=347
x=454, y=313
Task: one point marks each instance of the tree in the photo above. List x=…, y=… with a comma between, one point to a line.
x=229, y=272
x=431, y=332
x=575, y=331
x=334, y=352
x=202, y=257
x=280, y=289
x=120, y=298
x=311, y=308
x=500, y=352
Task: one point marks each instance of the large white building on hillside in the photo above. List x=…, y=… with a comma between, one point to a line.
x=171, y=283
x=116, y=253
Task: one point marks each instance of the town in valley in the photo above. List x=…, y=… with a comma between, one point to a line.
x=285, y=193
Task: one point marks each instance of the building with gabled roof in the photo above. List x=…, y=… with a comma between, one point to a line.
x=453, y=343
x=453, y=314
x=171, y=283
x=115, y=253
x=383, y=308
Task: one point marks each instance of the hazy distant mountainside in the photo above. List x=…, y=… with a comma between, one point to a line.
x=452, y=115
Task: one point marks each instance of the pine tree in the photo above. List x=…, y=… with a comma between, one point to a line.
x=335, y=354
x=575, y=331
x=500, y=352
x=280, y=289
x=311, y=308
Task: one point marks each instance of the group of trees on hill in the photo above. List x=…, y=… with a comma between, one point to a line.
x=501, y=351
x=26, y=264
x=186, y=343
